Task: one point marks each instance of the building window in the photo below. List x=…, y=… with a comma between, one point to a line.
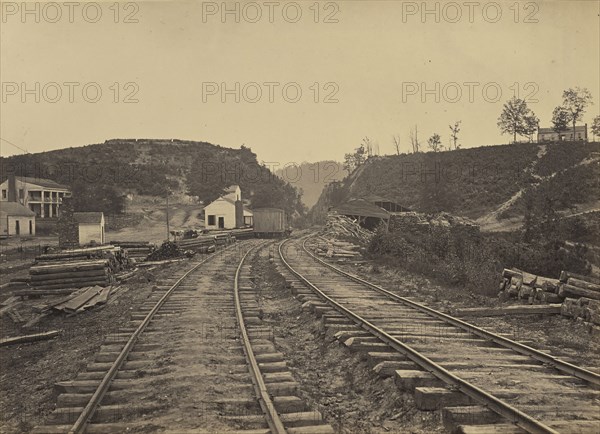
x=21, y=193
x=3, y=194
x=30, y=227
x=211, y=220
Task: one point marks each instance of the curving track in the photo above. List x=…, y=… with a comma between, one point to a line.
x=484, y=382
x=195, y=358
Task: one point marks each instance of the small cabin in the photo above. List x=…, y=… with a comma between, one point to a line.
x=90, y=227
x=16, y=220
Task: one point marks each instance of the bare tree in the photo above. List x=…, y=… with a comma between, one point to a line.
x=454, y=130
x=396, y=140
x=414, y=140
x=368, y=145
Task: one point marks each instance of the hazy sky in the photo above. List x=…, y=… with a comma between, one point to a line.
x=382, y=61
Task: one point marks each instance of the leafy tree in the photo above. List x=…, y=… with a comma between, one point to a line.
x=354, y=160
x=576, y=101
x=596, y=126
x=560, y=119
x=454, y=130
x=516, y=118
x=532, y=124
x=435, y=142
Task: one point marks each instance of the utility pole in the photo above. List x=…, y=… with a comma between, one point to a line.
x=168, y=230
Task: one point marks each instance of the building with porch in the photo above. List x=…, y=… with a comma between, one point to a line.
x=42, y=196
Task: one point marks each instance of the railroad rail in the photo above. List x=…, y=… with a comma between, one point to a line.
x=237, y=376
x=471, y=362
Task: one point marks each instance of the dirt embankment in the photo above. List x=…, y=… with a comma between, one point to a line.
x=334, y=380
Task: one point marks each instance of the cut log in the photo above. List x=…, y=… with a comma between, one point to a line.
x=41, y=292
x=583, y=284
x=29, y=338
x=541, y=309
x=509, y=273
x=566, y=290
x=100, y=272
x=69, y=267
x=564, y=277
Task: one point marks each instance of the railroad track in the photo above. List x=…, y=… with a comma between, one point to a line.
x=195, y=357
x=482, y=382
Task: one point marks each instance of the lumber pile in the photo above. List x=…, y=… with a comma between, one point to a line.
x=243, y=234
x=579, y=295
x=72, y=274
x=341, y=226
x=332, y=248
x=137, y=250
x=200, y=244
x=117, y=258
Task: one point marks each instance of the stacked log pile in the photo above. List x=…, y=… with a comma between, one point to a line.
x=72, y=274
x=341, y=226
x=201, y=244
x=332, y=248
x=579, y=295
x=78, y=268
x=137, y=250
x=167, y=250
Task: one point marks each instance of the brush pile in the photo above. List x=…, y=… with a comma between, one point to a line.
x=341, y=226
x=167, y=250
x=579, y=295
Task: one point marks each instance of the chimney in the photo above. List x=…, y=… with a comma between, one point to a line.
x=12, y=188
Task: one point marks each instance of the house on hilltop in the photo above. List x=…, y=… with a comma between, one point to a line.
x=549, y=135
x=228, y=211
x=42, y=196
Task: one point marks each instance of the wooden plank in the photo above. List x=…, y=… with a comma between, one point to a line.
x=541, y=309
x=29, y=338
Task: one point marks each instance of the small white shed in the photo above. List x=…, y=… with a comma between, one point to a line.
x=91, y=227
x=16, y=219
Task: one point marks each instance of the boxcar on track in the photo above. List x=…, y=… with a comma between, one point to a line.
x=270, y=222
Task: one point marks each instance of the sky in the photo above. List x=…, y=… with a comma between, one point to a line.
x=295, y=81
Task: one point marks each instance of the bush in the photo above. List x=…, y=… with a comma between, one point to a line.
x=475, y=261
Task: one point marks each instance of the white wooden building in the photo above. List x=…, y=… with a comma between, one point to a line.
x=91, y=227
x=42, y=196
x=228, y=211
x=16, y=220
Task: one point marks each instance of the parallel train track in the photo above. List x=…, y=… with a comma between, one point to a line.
x=165, y=371
x=484, y=382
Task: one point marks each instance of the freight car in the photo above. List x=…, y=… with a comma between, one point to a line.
x=270, y=222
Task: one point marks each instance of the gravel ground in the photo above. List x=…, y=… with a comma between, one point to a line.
x=334, y=380
x=28, y=372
